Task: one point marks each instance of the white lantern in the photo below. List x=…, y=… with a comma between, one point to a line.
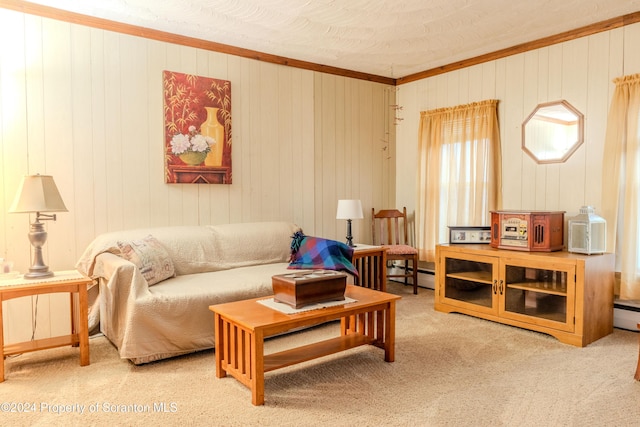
x=587, y=232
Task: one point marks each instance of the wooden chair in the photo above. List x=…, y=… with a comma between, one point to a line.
x=387, y=223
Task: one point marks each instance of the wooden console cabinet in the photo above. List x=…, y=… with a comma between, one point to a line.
x=566, y=295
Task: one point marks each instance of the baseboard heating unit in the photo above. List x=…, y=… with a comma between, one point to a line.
x=626, y=315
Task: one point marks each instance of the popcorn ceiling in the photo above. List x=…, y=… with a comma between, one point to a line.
x=381, y=37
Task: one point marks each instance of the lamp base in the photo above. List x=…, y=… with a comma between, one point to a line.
x=37, y=237
x=349, y=235
x=34, y=274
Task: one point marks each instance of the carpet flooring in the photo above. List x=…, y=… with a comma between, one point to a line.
x=450, y=370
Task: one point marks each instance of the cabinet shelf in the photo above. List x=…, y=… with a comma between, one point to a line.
x=556, y=317
x=542, y=287
x=472, y=276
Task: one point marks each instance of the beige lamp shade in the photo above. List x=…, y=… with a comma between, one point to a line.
x=37, y=193
x=349, y=209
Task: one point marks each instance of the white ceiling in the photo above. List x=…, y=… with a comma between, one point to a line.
x=390, y=38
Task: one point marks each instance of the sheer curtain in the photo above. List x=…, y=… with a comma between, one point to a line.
x=459, y=171
x=621, y=182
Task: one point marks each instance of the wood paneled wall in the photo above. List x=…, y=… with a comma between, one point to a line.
x=580, y=71
x=85, y=105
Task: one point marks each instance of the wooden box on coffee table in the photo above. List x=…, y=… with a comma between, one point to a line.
x=304, y=288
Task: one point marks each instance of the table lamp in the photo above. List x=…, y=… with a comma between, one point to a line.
x=38, y=193
x=349, y=209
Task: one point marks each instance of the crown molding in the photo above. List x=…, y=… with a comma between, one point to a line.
x=105, y=24
x=133, y=30
x=588, y=30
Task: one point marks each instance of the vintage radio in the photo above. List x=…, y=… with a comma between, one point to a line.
x=536, y=231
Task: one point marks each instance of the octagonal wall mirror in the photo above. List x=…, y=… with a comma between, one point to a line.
x=552, y=132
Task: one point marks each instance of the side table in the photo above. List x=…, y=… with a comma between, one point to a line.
x=371, y=263
x=63, y=281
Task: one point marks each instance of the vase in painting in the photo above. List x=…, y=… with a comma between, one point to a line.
x=193, y=158
x=212, y=128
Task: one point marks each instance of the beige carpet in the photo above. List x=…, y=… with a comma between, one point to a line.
x=450, y=369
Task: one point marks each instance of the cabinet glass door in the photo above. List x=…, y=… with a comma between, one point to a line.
x=541, y=295
x=469, y=282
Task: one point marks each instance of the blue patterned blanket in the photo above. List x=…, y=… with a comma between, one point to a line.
x=318, y=253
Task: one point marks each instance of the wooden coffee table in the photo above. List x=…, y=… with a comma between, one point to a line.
x=242, y=326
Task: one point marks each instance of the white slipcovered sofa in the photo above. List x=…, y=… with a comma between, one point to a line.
x=148, y=321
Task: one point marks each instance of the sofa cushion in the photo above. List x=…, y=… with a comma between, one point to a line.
x=190, y=247
x=220, y=286
x=150, y=257
x=245, y=244
x=199, y=249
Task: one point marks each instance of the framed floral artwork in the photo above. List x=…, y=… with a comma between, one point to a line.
x=197, y=129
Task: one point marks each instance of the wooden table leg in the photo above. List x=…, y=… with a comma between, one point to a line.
x=637, y=376
x=257, y=368
x=1, y=344
x=74, y=301
x=83, y=325
x=390, y=332
x=219, y=345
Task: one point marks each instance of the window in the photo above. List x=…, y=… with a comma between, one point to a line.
x=621, y=191
x=458, y=171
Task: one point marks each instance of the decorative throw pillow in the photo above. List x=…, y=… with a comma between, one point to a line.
x=150, y=257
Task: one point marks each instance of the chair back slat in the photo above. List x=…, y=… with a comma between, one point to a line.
x=392, y=227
